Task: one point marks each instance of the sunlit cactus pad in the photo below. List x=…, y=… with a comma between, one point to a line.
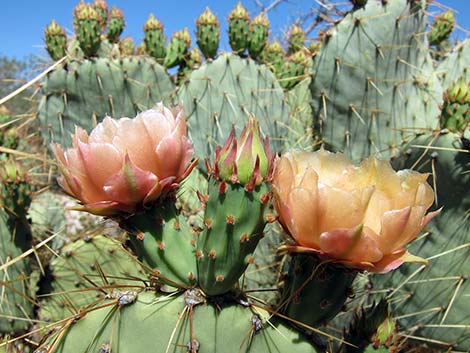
x=134, y=322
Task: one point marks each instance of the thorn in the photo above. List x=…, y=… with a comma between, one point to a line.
x=219, y=278
x=244, y=238
x=191, y=276
x=212, y=254
x=140, y=236
x=202, y=198
x=176, y=225
x=208, y=223
x=230, y=219
x=250, y=259
x=199, y=254
x=161, y=245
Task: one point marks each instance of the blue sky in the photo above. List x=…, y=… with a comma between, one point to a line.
x=22, y=21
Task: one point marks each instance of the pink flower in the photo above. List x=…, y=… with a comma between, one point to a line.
x=362, y=216
x=127, y=163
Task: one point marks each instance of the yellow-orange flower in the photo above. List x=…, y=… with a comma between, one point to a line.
x=363, y=216
x=127, y=163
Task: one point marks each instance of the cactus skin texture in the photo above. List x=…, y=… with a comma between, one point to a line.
x=173, y=324
x=316, y=291
x=226, y=92
x=376, y=50
x=168, y=248
x=88, y=29
x=442, y=28
x=116, y=25
x=259, y=33
x=177, y=49
x=240, y=216
x=296, y=39
x=154, y=39
x=84, y=92
x=56, y=40
x=239, y=29
x=15, y=305
x=85, y=271
x=208, y=33
x=432, y=302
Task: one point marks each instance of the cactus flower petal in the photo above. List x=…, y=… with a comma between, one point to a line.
x=127, y=163
x=362, y=216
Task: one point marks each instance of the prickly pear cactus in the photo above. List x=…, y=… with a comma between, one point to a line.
x=88, y=29
x=84, y=273
x=296, y=39
x=16, y=305
x=239, y=29
x=154, y=39
x=432, y=301
x=56, y=40
x=376, y=50
x=455, y=65
x=208, y=33
x=116, y=25
x=133, y=321
x=259, y=33
x=177, y=49
x=442, y=28
x=84, y=92
x=224, y=93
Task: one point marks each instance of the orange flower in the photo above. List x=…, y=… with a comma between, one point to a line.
x=363, y=216
x=127, y=163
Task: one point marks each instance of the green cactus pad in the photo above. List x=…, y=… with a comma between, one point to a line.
x=315, y=292
x=431, y=303
x=84, y=272
x=373, y=83
x=83, y=92
x=234, y=221
x=163, y=241
x=157, y=323
x=455, y=65
x=16, y=306
x=225, y=92
x=301, y=134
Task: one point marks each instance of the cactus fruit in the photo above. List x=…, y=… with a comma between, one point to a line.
x=177, y=49
x=127, y=46
x=456, y=108
x=83, y=93
x=275, y=57
x=141, y=49
x=102, y=9
x=236, y=205
x=239, y=29
x=116, y=25
x=258, y=37
x=192, y=61
x=390, y=103
x=9, y=134
x=88, y=29
x=296, y=39
x=293, y=70
x=442, y=28
x=56, y=40
x=208, y=33
x=154, y=39
x=131, y=321
x=226, y=92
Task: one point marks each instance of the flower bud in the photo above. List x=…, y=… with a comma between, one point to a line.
x=246, y=160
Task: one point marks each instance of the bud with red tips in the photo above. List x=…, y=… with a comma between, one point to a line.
x=246, y=160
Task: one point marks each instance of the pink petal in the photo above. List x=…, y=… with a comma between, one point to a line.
x=393, y=261
x=130, y=185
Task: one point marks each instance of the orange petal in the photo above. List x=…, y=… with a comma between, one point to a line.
x=393, y=261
